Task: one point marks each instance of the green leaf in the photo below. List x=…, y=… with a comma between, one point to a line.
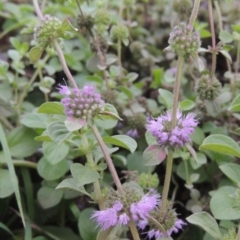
x=43, y=138
x=225, y=36
x=207, y=222
x=187, y=105
x=221, y=144
x=35, y=54
x=73, y=125
x=198, y=136
x=83, y=175
x=51, y=172
x=58, y=132
x=232, y=171
x=55, y=153
x=107, y=121
x=20, y=142
x=235, y=105
x=166, y=97
x=13, y=176
x=150, y=139
x=126, y=91
x=122, y=141
x=86, y=225
x=34, y=120
x=135, y=162
x=49, y=197
x=153, y=155
x=226, y=55
x=60, y=233
x=51, y=108
x=107, y=234
x=223, y=207
x=70, y=183
x=6, y=187
x=4, y=227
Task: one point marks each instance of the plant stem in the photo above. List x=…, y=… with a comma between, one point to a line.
x=220, y=24
x=119, y=42
x=22, y=163
x=238, y=234
x=37, y=9
x=176, y=90
x=96, y=184
x=108, y=159
x=6, y=123
x=238, y=58
x=167, y=182
x=64, y=64
x=194, y=12
x=134, y=230
x=214, y=50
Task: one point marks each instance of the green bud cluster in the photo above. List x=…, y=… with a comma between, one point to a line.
x=167, y=219
x=47, y=30
x=184, y=41
x=207, y=89
x=230, y=235
x=147, y=181
x=119, y=32
x=182, y=5
x=133, y=193
x=137, y=121
x=85, y=21
x=102, y=17
x=136, y=47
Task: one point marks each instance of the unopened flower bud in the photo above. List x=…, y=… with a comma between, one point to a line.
x=47, y=30
x=183, y=41
x=147, y=181
x=102, y=17
x=85, y=21
x=119, y=32
x=207, y=89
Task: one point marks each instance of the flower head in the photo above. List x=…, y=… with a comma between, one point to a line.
x=141, y=209
x=108, y=217
x=166, y=136
x=174, y=229
x=81, y=103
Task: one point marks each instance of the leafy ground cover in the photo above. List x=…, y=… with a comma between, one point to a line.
x=119, y=119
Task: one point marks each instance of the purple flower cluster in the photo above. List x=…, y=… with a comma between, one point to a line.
x=117, y=214
x=81, y=103
x=166, y=136
x=157, y=233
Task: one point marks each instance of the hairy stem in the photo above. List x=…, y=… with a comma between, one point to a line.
x=134, y=230
x=97, y=188
x=108, y=159
x=214, y=50
x=6, y=123
x=33, y=78
x=194, y=12
x=22, y=163
x=176, y=90
x=167, y=182
x=37, y=9
x=64, y=64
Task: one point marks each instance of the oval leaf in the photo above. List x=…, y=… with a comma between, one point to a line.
x=221, y=144
x=153, y=155
x=187, y=105
x=83, y=175
x=58, y=132
x=51, y=108
x=232, y=171
x=235, y=105
x=223, y=207
x=207, y=222
x=166, y=97
x=122, y=141
x=35, y=54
